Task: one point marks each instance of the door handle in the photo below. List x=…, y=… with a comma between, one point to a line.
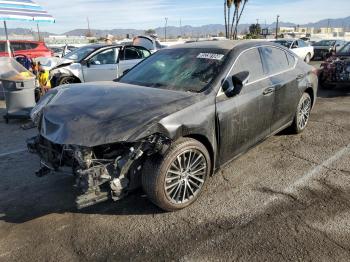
x=268, y=90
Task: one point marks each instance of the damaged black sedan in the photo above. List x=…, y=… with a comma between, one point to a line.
x=173, y=120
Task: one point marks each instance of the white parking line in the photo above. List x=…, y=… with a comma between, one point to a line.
x=13, y=152
x=316, y=170
x=309, y=176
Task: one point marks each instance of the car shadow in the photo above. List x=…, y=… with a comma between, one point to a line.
x=25, y=199
x=338, y=91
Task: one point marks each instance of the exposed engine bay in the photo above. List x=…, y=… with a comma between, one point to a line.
x=102, y=172
x=336, y=69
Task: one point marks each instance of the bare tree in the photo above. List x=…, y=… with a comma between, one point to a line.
x=225, y=15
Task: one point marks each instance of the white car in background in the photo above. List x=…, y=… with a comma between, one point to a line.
x=96, y=63
x=149, y=42
x=298, y=47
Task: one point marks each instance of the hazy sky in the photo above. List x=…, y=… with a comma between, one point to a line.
x=144, y=14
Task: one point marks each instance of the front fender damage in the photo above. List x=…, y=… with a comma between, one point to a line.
x=103, y=172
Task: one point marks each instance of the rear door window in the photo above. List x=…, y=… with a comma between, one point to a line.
x=18, y=46
x=31, y=46
x=143, y=51
x=250, y=61
x=132, y=53
x=274, y=60
x=291, y=59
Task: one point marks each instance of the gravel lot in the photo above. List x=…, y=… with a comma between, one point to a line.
x=286, y=199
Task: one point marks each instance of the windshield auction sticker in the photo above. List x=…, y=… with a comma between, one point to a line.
x=210, y=56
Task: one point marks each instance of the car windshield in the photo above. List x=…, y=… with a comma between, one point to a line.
x=345, y=49
x=79, y=53
x=187, y=69
x=325, y=43
x=285, y=43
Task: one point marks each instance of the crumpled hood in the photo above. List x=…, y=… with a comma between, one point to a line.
x=101, y=113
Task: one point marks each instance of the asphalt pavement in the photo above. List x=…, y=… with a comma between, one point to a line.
x=288, y=199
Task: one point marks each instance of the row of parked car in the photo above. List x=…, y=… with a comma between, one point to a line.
x=320, y=50
x=107, y=62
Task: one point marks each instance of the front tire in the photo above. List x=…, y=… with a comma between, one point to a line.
x=67, y=80
x=175, y=179
x=302, y=114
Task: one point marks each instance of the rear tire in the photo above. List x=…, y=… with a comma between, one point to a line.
x=175, y=179
x=302, y=115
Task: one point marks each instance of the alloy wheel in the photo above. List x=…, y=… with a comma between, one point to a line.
x=185, y=176
x=304, y=113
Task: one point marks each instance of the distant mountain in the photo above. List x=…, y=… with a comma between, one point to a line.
x=339, y=22
x=102, y=33
x=187, y=30
x=23, y=31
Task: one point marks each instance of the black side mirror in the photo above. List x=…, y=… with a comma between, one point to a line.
x=238, y=82
x=85, y=63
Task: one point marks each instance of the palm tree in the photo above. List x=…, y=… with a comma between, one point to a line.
x=239, y=18
x=229, y=5
x=237, y=4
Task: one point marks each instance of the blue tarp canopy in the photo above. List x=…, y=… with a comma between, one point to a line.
x=22, y=10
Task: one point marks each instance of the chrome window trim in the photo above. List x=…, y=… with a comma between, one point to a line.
x=263, y=78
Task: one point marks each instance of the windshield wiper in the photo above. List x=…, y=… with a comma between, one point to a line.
x=157, y=85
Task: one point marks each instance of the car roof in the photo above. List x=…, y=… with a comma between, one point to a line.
x=224, y=44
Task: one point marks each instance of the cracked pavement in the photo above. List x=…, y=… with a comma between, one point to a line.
x=285, y=200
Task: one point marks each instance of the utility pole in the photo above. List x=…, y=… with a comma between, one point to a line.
x=37, y=26
x=278, y=17
x=180, y=28
x=166, y=24
x=89, y=30
x=328, y=26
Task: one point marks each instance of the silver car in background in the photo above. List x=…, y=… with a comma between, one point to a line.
x=96, y=63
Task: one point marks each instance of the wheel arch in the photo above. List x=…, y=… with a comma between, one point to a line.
x=205, y=141
x=310, y=91
x=77, y=79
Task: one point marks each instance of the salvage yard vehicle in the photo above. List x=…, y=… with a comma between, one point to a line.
x=171, y=121
x=298, y=47
x=336, y=69
x=96, y=63
x=30, y=49
x=325, y=48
